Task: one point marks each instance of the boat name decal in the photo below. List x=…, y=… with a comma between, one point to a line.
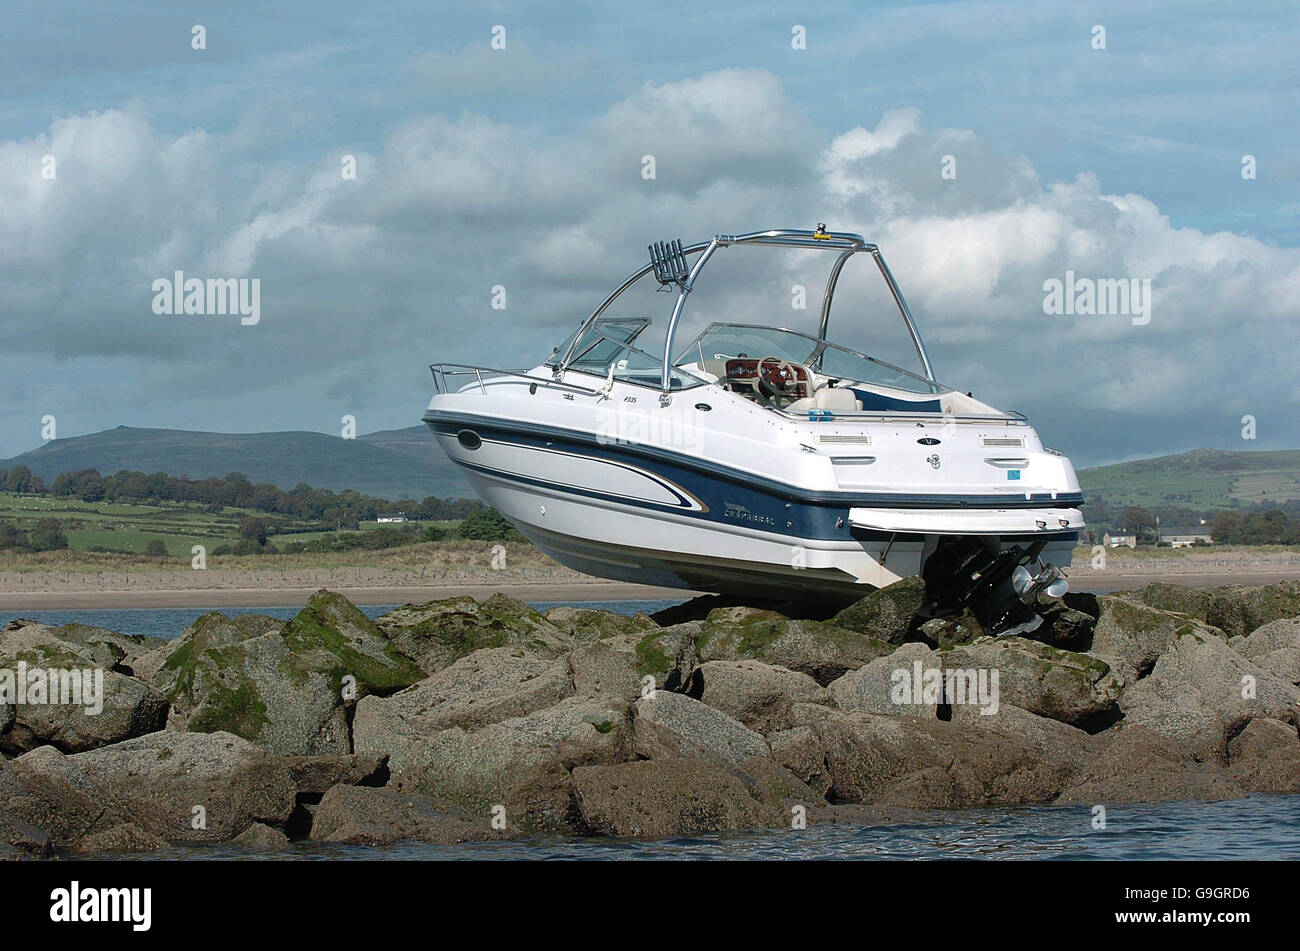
x=740, y=513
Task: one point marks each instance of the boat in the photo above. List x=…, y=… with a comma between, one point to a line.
x=763, y=462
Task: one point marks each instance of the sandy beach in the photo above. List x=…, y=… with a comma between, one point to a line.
x=295, y=597
x=289, y=586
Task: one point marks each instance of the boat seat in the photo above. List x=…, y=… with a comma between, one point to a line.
x=835, y=400
x=716, y=367
x=879, y=403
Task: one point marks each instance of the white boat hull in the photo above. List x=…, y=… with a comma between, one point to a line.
x=597, y=512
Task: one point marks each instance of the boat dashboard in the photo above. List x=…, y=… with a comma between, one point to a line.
x=769, y=378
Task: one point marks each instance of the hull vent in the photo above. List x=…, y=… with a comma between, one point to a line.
x=1003, y=442
x=844, y=440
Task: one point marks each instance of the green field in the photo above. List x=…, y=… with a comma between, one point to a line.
x=124, y=526
x=130, y=527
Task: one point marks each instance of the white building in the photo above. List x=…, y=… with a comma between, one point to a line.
x=392, y=517
x=1186, y=536
x=1120, y=538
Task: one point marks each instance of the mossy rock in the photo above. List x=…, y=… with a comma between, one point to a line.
x=821, y=649
x=332, y=623
x=437, y=634
x=890, y=613
x=589, y=625
x=669, y=655
x=281, y=685
x=1234, y=609
x=1068, y=686
x=948, y=632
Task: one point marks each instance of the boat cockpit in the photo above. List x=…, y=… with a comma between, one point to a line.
x=783, y=370
x=777, y=368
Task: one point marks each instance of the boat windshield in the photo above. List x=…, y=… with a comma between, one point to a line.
x=724, y=341
x=606, y=349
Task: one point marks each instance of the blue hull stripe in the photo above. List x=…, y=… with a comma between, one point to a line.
x=450, y=423
x=740, y=500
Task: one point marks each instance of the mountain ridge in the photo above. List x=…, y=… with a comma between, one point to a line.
x=408, y=463
x=393, y=463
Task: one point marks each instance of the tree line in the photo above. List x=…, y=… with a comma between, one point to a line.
x=1261, y=523
x=346, y=508
x=310, y=508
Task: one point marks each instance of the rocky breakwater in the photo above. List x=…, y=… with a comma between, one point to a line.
x=461, y=720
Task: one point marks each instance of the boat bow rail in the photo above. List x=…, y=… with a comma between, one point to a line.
x=455, y=377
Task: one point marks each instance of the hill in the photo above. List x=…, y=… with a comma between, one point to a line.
x=1200, y=479
x=398, y=463
x=395, y=463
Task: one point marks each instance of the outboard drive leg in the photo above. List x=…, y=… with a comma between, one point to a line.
x=1002, y=589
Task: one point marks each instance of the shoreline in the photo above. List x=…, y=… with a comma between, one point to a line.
x=296, y=597
x=534, y=591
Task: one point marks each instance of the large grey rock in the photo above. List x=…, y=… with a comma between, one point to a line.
x=1198, y=694
x=667, y=797
x=126, y=837
x=438, y=633
x=287, y=690
x=99, y=645
x=314, y=775
x=1012, y=758
x=1131, y=635
x=1265, y=757
x=589, y=625
x=190, y=787
x=1275, y=647
x=487, y=686
x=262, y=838
x=819, y=649
x=602, y=669
x=672, y=724
x=1137, y=765
x=64, y=671
x=1077, y=689
x=22, y=840
x=951, y=630
x=1233, y=609
x=800, y=751
x=756, y=694
x=878, y=686
x=361, y=815
x=668, y=655
x=37, y=790
x=484, y=687
x=210, y=631
x=521, y=764
x=1066, y=626
x=890, y=614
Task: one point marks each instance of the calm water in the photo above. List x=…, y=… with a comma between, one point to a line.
x=1262, y=827
x=170, y=622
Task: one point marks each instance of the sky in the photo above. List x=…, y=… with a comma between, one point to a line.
x=987, y=148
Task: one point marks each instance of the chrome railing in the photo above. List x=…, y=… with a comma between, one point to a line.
x=455, y=377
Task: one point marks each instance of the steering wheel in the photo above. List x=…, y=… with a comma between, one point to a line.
x=776, y=377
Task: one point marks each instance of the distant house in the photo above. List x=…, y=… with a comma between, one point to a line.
x=1120, y=538
x=392, y=517
x=1186, y=535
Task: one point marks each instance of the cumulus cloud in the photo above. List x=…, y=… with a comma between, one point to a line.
x=365, y=281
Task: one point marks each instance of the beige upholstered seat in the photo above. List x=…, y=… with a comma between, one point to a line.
x=835, y=400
